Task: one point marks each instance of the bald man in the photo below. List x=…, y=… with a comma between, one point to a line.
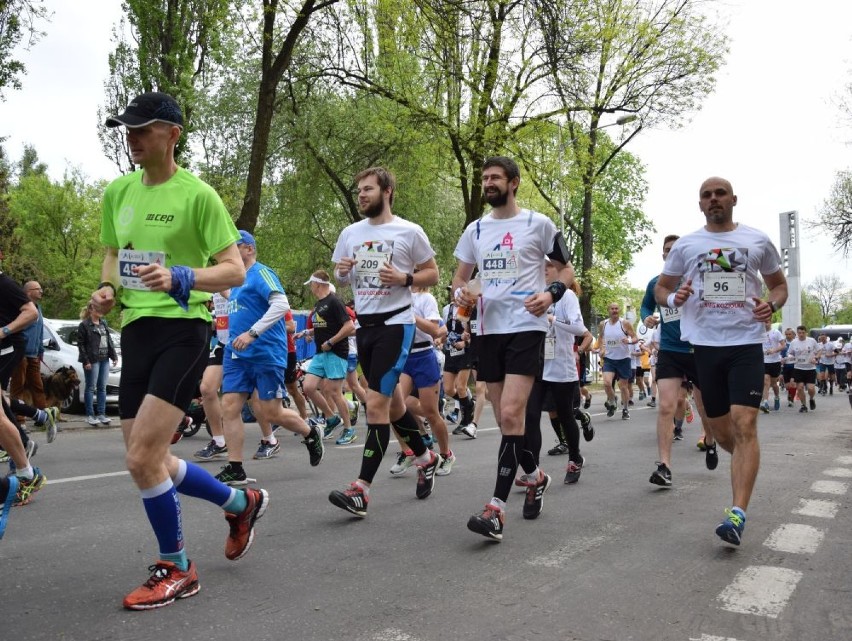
x=715, y=276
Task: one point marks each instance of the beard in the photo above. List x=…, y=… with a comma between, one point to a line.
x=497, y=199
x=373, y=210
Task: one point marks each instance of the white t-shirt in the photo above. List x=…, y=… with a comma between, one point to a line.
x=826, y=353
x=510, y=255
x=772, y=339
x=400, y=242
x=567, y=323
x=846, y=353
x=725, y=268
x=802, y=353
x=424, y=306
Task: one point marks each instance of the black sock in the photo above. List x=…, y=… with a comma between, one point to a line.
x=408, y=430
x=507, y=465
x=466, y=410
x=237, y=466
x=378, y=436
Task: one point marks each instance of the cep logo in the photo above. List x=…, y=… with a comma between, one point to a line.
x=160, y=218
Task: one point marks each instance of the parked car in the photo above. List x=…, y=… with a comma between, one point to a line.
x=60, y=349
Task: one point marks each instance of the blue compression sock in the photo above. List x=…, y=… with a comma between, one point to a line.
x=163, y=510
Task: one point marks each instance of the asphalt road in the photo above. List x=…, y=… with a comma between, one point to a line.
x=612, y=557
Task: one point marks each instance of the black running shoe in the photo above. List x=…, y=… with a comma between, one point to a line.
x=662, y=475
x=426, y=476
x=711, y=456
x=489, y=523
x=534, y=501
x=813, y=404
x=560, y=448
x=625, y=415
x=610, y=408
x=572, y=472
x=803, y=409
x=315, y=446
x=585, y=420
x=352, y=499
x=229, y=475
x=588, y=402
x=678, y=433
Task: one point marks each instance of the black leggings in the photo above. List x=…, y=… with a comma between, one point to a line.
x=564, y=395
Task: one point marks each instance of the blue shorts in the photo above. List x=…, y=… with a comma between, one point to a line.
x=352, y=363
x=621, y=367
x=328, y=365
x=240, y=376
x=423, y=369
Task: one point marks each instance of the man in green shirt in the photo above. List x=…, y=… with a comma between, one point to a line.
x=170, y=242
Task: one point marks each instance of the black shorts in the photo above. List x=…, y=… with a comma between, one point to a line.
x=455, y=364
x=216, y=354
x=290, y=372
x=773, y=370
x=729, y=375
x=804, y=376
x=164, y=357
x=11, y=354
x=500, y=354
x=382, y=351
x=676, y=365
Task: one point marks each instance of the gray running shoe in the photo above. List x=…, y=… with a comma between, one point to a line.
x=211, y=451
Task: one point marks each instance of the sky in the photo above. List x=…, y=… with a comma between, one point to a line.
x=772, y=126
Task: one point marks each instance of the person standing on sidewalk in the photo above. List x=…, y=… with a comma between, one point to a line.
x=96, y=349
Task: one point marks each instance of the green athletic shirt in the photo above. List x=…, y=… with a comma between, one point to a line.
x=183, y=217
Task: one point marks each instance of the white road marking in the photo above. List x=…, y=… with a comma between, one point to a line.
x=795, y=538
x=829, y=487
x=843, y=460
x=820, y=508
x=89, y=477
x=561, y=556
x=761, y=590
x=839, y=472
x=710, y=637
x=392, y=634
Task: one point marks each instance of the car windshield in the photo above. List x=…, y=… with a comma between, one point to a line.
x=68, y=333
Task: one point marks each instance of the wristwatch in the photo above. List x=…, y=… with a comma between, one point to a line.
x=6, y=331
x=409, y=280
x=253, y=333
x=773, y=306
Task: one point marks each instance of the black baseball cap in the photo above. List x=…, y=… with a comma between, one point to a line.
x=144, y=109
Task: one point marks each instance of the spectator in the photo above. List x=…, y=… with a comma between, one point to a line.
x=96, y=351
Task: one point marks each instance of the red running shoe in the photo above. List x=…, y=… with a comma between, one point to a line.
x=242, y=525
x=166, y=584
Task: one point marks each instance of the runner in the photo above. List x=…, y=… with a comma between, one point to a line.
x=169, y=242
x=508, y=246
x=675, y=367
x=378, y=256
x=773, y=345
x=714, y=277
x=803, y=352
x=615, y=338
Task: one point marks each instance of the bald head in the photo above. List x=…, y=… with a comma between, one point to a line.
x=716, y=199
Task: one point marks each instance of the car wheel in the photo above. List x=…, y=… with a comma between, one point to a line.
x=72, y=404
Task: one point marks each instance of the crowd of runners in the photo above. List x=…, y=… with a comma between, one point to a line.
x=511, y=332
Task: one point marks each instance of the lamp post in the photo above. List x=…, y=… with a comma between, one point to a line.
x=621, y=120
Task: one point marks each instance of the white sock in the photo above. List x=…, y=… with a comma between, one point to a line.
x=219, y=440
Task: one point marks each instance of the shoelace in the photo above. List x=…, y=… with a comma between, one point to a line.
x=159, y=572
x=354, y=490
x=734, y=518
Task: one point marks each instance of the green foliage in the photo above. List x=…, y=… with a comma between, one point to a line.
x=19, y=20
x=55, y=238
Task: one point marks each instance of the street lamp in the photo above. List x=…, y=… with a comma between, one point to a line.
x=621, y=120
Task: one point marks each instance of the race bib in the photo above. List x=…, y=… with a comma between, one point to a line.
x=474, y=327
x=369, y=263
x=668, y=315
x=128, y=259
x=500, y=264
x=724, y=287
x=550, y=348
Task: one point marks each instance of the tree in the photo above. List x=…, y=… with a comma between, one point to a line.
x=652, y=58
x=275, y=60
x=19, y=20
x=173, y=41
x=835, y=216
x=829, y=294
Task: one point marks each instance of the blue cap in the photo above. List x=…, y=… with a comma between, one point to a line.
x=246, y=239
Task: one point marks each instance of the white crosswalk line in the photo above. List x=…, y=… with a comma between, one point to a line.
x=795, y=538
x=843, y=460
x=829, y=487
x=820, y=508
x=761, y=590
x=839, y=472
